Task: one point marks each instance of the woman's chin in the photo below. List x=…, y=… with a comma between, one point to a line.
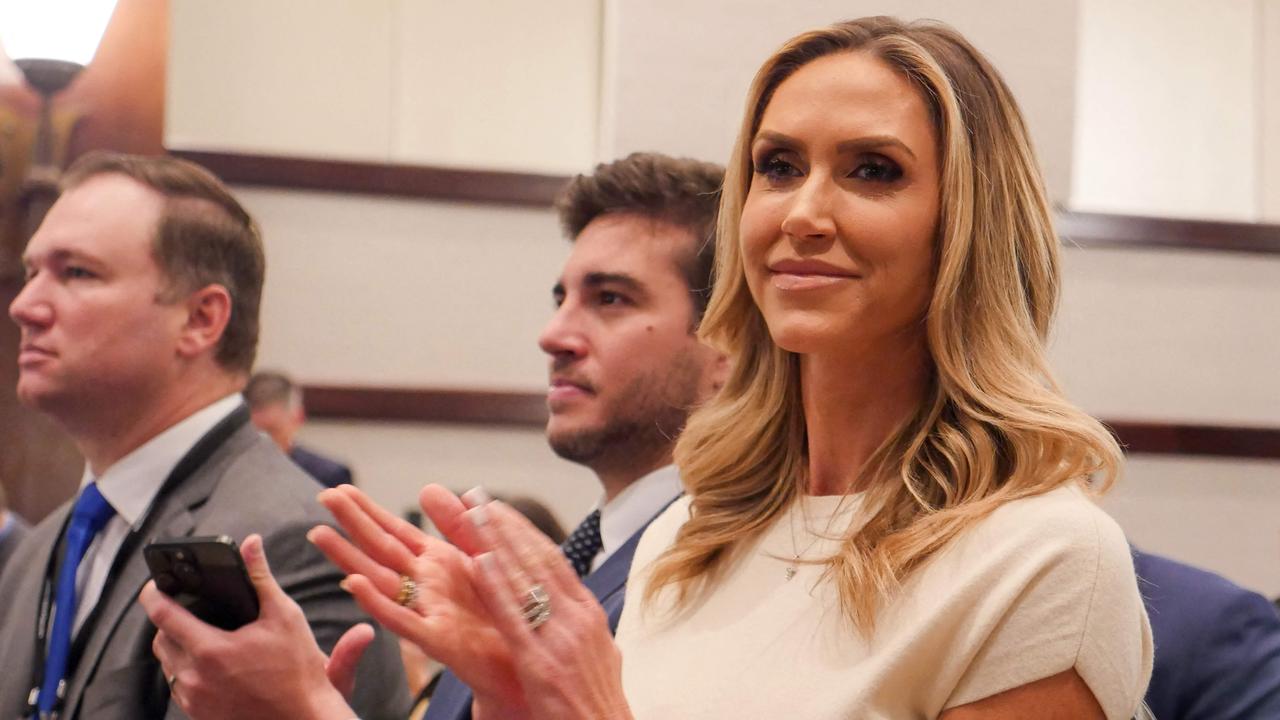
x=806, y=338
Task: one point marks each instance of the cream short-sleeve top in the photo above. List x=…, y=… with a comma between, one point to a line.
x=1042, y=585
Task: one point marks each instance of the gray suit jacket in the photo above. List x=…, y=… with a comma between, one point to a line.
x=11, y=536
x=246, y=485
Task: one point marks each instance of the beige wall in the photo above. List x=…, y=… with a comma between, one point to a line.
x=386, y=291
x=398, y=292
x=1168, y=108
x=1171, y=335
x=505, y=84
x=287, y=77
x=502, y=83
x=392, y=461
x=1214, y=513
x=677, y=72
x=1269, y=87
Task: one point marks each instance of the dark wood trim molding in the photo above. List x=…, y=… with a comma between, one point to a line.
x=371, y=178
x=426, y=405
x=1099, y=230
x=427, y=182
x=527, y=409
x=1258, y=443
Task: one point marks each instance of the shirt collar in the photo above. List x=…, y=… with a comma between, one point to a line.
x=133, y=481
x=635, y=506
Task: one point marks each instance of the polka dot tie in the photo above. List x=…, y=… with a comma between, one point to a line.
x=583, y=544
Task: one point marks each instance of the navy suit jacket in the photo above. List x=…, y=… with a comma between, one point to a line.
x=325, y=471
x=452, y=699
x=1217, y=645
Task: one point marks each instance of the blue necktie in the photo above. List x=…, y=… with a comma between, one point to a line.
x=90, y=514
x=583, y=544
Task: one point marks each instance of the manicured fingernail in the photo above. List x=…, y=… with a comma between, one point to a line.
x=487, y=563
x=475, y=497
x=345, y=585
x=479, y=515
x=311, y=536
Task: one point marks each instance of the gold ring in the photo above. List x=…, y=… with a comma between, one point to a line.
x=408, y=594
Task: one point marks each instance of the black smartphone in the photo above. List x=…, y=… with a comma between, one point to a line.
x=207, y=576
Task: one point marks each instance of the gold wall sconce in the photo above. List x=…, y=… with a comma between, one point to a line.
x=50, y=42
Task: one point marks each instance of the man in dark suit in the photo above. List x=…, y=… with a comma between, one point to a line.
x=1217, y=644
x=276, y=407
x=139, y=323
x=12, y=530
x=625, y=363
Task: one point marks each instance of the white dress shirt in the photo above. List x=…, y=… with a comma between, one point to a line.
x=130, y=486
x=633, y=508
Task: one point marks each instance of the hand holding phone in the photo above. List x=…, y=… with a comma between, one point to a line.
x=207, y=576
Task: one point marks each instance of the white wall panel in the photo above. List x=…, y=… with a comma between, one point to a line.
x=506, y=84
x=503, y=84
x=1269, y=87
x=1219, y=514
x=281, y=77
x=1168, y=335
x=381, y=291
x=677, y=72
x=392, y=461
x=1167, y=109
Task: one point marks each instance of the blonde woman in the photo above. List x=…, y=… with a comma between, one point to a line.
x=888, y=510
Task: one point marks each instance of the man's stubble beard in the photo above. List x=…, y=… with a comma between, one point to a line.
x=643, y=424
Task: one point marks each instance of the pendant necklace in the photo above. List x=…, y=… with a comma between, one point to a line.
x=794, y=566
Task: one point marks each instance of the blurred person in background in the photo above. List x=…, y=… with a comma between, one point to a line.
x=541, y=517
x=1217, y=644
x=276, y=407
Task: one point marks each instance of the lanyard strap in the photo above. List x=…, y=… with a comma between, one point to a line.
x=195, y=457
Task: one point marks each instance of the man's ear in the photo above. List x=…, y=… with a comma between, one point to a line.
x=719, y=373
x=298, y=414
x=208, y=312
x=715, y=372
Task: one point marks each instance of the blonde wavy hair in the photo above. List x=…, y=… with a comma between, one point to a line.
x=993, y=427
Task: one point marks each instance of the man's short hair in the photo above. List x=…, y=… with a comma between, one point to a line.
x=679, y=191
x=204, y=237
x=270, y=388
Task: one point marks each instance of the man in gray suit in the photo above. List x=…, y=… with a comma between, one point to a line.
x=139, y=324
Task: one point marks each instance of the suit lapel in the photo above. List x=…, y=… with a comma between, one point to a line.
x=609, y=581
x=171, y=516
x=18, y=617
x=611, y=577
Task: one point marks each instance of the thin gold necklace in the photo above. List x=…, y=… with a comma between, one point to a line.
x=794, y=566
